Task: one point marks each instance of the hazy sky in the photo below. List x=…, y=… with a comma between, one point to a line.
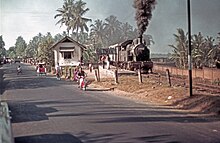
x=27, y=18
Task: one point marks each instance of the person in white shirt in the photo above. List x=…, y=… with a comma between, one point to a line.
x=58, y=70
x=19, y=70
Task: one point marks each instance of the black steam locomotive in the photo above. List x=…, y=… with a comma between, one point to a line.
x=131, y=55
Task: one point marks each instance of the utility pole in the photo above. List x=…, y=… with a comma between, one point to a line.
x=190, y=48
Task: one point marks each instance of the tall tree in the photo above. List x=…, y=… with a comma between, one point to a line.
x=77, y=21
x=33, y=45
x=72, y=16
x=11, y=52
x=198, y=49
x=98, y=33
x=179, y=53
x=45, y=54
x=210, y=51
x=58, y=37
x=113, y=29
x=65, y=14
x=20, y=47
x=2, y=52
x=126, y=31
x=2, y=43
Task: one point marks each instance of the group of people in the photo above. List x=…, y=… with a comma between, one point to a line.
x=78, y=76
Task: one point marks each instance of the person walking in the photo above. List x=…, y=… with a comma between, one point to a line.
x=58, y=70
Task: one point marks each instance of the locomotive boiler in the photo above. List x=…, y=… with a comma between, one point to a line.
x=131, y=55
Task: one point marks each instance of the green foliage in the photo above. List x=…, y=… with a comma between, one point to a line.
x=20, y=47
x=2, y=43
x=98, y=33
x=11, y=52
x=33, y=45
x=58, y=37
x=179, y=53
x=45, y=54
x=113, y=29
x=204, y=50
x=103, y=33
x=2, y=52
x=2, y=49
x=71, y=15
x=90, y=55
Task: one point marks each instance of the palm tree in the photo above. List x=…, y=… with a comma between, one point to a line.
x=65, y=14
x=83, y=37
x=179, y=54
x=209, y=52
x=98, y=32
x=113, y=29
x=90, y=55
x=198, y=48
x=77, y=21
x=127, y=31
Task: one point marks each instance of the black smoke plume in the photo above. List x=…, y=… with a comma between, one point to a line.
x=143, y=14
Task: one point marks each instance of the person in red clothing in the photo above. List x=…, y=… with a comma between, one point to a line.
x=81, y=78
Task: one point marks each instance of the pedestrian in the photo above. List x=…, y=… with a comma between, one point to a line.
x=58, y=70
x=103, y=61
x=81, y=77
x=76, y=71
x=108, y=62
x=19, y=70
x=90, y=67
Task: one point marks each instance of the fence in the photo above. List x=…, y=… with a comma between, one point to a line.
x=205, y=73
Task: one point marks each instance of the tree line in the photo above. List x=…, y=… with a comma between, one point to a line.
x=107, y=32
x=71, y=15
x=205, y=50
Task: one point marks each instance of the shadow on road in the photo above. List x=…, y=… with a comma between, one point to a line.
x=157, y=138
x=28, y=79
x=104, y=138
x=48, y=138
x=100, y=138
x=160, y=118
x=27, y=112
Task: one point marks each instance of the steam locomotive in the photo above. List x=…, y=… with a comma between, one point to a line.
x=131, y=55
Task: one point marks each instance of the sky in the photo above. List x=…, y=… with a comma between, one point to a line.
x=27, y=18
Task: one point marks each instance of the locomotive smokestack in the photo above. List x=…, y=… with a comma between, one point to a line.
x=141, y=37
x=143, y=14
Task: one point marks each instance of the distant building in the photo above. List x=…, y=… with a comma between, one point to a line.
x=68, y=52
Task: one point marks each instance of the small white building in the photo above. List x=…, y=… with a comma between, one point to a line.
x=68, y=52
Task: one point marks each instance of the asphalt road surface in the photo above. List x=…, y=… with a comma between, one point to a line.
x=45, y=110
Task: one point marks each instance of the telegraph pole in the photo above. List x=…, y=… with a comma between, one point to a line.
x=190, y=48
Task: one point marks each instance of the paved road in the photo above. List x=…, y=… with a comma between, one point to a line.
x=45, y=110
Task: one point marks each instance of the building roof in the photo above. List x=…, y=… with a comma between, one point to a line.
x=125, y=43
x=68, y=39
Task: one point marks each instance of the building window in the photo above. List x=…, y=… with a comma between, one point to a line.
x=67, y=55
